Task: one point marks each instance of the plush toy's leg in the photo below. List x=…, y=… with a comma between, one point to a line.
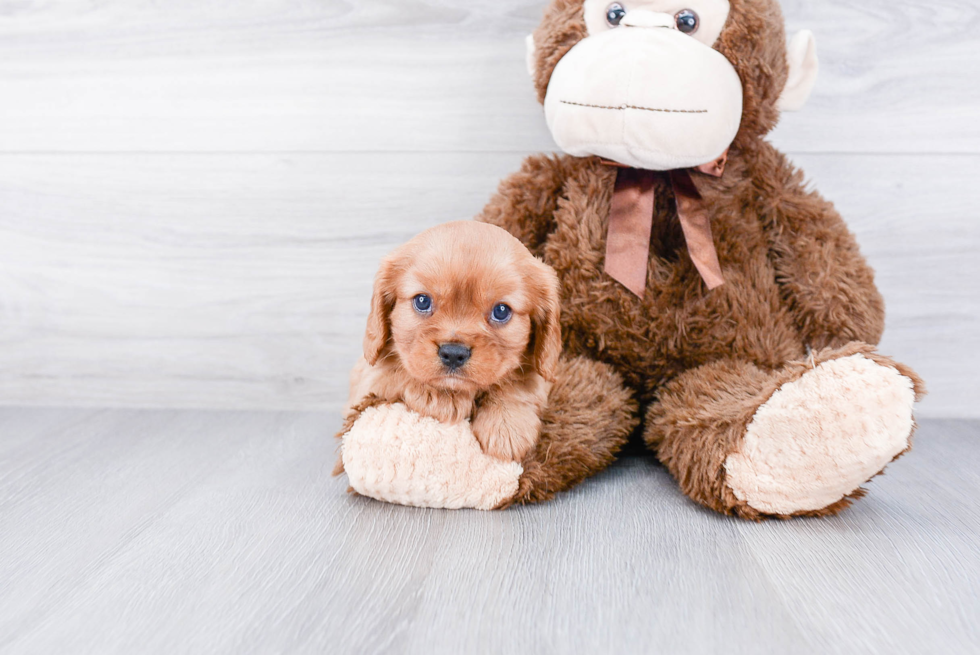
x=797, y=441
x=589, y=417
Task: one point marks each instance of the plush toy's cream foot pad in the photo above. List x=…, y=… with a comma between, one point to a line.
x=395, y=455
x=821, y=436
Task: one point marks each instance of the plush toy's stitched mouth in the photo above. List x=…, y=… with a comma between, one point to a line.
x=625, y=107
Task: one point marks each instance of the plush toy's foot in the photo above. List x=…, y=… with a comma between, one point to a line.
x=797, y=441
x=395, y=455
x=823, y=435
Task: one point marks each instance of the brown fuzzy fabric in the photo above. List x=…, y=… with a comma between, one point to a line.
x=794, y=274
x=589, y=417
x=701, y=361
x=561, y=28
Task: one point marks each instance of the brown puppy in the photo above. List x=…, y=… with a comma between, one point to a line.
x=464, y=324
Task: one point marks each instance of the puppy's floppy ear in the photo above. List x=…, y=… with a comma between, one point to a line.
x=546, y=319
x=378, y=330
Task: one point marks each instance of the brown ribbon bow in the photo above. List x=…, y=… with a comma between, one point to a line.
x=631, y=221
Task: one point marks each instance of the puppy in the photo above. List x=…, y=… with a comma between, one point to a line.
x=464, y=324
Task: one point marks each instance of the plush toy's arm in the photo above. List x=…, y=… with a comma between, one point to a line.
x=525, y=202
x=823, y=275
x=393, y=454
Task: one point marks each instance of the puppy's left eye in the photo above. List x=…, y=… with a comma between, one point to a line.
x=501, y=313
x=422, y=303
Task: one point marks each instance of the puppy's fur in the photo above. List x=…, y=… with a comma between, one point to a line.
x=466, y=268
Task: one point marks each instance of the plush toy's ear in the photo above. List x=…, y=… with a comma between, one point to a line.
x=378, y=330
x=803, y=67
x=531, y=55
x=547, y=321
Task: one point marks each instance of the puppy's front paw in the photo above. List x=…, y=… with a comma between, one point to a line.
x=506, y=434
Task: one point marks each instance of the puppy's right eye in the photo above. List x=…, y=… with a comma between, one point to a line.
x=422, y=303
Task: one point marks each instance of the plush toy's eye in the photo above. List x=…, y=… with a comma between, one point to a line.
x=614, y=14
x=687, y=21
x=422, y=303
x=501, y=313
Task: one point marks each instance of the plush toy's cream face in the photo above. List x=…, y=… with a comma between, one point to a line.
x=663, y=84
x=645, y=88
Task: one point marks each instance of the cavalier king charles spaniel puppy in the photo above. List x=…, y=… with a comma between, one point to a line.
x=464, y=325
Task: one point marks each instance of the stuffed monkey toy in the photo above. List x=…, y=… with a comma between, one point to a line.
x=697, y=271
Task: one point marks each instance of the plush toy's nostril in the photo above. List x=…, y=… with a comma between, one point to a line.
x=454, y=355
x=645, y=18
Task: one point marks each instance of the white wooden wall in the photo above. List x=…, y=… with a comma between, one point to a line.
x=194, y=194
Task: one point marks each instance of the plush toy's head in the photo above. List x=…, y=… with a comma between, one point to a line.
x=464, y=305
x=663, y=84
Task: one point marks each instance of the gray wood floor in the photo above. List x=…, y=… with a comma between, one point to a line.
x=129, y=531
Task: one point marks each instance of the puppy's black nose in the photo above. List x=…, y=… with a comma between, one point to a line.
x=454, y=355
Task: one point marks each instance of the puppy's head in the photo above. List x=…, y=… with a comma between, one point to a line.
x=463, y=306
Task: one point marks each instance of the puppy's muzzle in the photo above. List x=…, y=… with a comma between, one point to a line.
x=454, y=355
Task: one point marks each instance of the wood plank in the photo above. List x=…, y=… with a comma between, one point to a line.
x=223, y=533
x=243, y=281
x=428, y=75
x=79, y=488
